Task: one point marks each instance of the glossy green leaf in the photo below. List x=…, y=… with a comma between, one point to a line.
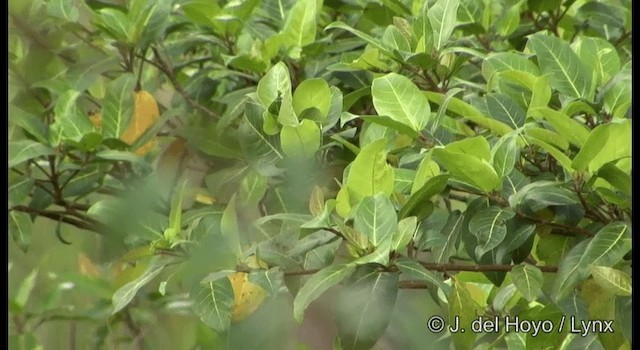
x=572, y=130
x=414, y=270
x=442, y=17
x=362, y=35
x=312, y=93
x=528, y=280
x=506, y=110
x=467, y=111
x=370, y=173
x=541, y=194
x=475, y=171
x=276, y=83
x=417, y=201
x=462, y=310
x=397, y=97
x=364, y=309
x=606, y=143
x=300, y=27
x=123, y=296
x=317, y=284
x=615, y=281
x=20, y=228
x=566, y=72
x=117, y=110
x=260, y=149
x=23, y=150
x=376, y=218
x=301, y=141
x=212, y=303
x=450, y=233
x=600, y=56
x=606, y=248
x=474, y=146
x=426, y=170
x=504, y=155
x=404, y=234
x=489, y=226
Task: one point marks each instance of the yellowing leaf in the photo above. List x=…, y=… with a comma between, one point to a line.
x=87, y=267
x=145, y=114
x=247, y=296
x=254, y=262
x=96, y=119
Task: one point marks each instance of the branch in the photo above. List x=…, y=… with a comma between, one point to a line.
x=62, y=216
x=479, y=268
x=166, y=69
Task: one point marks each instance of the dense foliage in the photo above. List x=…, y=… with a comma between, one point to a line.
x=276, y=169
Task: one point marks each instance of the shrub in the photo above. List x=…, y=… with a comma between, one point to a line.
x=403, y=163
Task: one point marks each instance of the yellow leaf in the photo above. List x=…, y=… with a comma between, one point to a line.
x=248, y=296
x=96, y=119
x=146, y=113
x=87, y=267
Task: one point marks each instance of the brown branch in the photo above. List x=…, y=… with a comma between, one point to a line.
x=166, y=69
x=479, y=268
x=90, y=224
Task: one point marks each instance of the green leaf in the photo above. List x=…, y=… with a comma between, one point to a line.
x=364, y=36
x=463, y=310
x=606, y=143
x=123, y=296
x=229, y=228
x=506, y=110
x=415, y=271
x=25, y=289
x=445, y=248
x=616, y=177
x=540, y=93
x=397, y=97
x=312, y=93
x=497, y=62
x=376, y=218
x=426, y=170
x=600, y=56
x=554, y=152
x=474, y=146
x=260, y=149
x=442, y=16
x=391, y=124
x=117, y=109
x=475, y=171
x=30, y=123
x=70, y=122
x=467, y=111
x=175, y=215
x=541, y=194
x=19, y=190
x=606, y=248
x=614, y=281
x=364, y=309
x=433, y=186
x=300, y=27
x=252, y=188
x=23, y=150
x=567, y=127
x=276, y=83
x=504, y=155
x=301, y=141
x=548, y=136
x=394, y=38
x=566, y=72
x=489, y=226
x=370, y=173
x=617, y=94
x=320, y=282
x=528, y=279
x=212, y=302
x=404, y=234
